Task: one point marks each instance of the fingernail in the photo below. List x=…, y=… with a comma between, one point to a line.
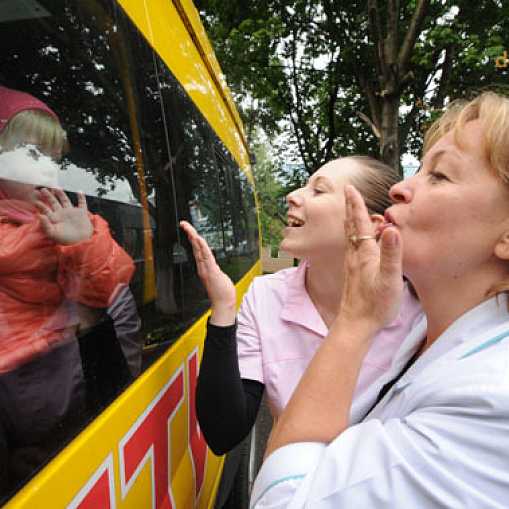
x=390, y=239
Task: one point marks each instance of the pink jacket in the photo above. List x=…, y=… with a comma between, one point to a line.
x=38, y=277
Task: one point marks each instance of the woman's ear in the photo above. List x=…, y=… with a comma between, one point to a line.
x=501, y=249
x=377, y=220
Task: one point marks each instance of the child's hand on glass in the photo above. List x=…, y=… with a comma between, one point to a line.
x=60, y=220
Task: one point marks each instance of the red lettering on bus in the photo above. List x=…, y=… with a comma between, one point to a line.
x=149, y=439
x=98, y=496
x=99, y=490
x=197, y=445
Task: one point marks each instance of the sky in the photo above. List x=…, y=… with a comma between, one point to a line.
x=74, y=178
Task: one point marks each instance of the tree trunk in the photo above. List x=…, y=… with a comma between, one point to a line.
x=165, y=301
x=389, y=142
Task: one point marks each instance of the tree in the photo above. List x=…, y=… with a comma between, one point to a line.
x=269, y=189
x=355, y=76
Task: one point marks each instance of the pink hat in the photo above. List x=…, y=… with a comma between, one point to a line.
x=12, y=102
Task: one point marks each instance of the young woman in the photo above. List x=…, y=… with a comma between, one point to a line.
x=285, y=316
x=438, y=433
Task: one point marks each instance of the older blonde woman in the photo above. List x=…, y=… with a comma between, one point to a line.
x=438, y=434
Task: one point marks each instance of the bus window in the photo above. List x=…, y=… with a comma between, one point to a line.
x=85, y=51
x=237, y=262
x=145, y=157
x=249, y=206
x=229, y=217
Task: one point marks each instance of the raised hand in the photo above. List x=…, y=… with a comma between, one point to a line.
x=60, y=220
x=219, y=286
x=373, y=280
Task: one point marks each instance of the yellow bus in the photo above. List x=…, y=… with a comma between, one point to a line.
x=107, y=419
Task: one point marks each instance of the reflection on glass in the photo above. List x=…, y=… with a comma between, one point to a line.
x=65, y=300
x=128, y=136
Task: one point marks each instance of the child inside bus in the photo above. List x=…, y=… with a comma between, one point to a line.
x=51, y=251
x=67, y=316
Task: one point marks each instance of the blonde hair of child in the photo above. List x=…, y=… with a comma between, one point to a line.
x=33, y=126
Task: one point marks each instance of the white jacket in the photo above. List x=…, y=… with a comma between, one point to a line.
x=439, y=438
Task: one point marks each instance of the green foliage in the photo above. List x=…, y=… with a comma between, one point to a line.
x=269, y=190
x=313, y=64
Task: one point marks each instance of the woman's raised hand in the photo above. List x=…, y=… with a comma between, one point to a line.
x=373, y=279
x=60, y=220
x=219, y=286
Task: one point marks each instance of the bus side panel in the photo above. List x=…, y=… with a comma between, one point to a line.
x=145, y=449
x=121, y=459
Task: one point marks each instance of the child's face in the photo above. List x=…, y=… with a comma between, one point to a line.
x=18, y=191
x=24, y=170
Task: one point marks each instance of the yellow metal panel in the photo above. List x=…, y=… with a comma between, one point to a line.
x=187, y=9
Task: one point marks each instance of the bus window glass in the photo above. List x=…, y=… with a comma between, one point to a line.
x=237, y=262
x=79, y=329
x=161, y=302
x=253, y=241
x=247, y=249
x=93, y=317
x=191, y=169
x=229, y=218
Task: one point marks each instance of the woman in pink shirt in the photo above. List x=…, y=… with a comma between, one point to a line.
x=285, y=316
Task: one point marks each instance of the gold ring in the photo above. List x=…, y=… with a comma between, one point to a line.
x=353, y=239
x=357, y=238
